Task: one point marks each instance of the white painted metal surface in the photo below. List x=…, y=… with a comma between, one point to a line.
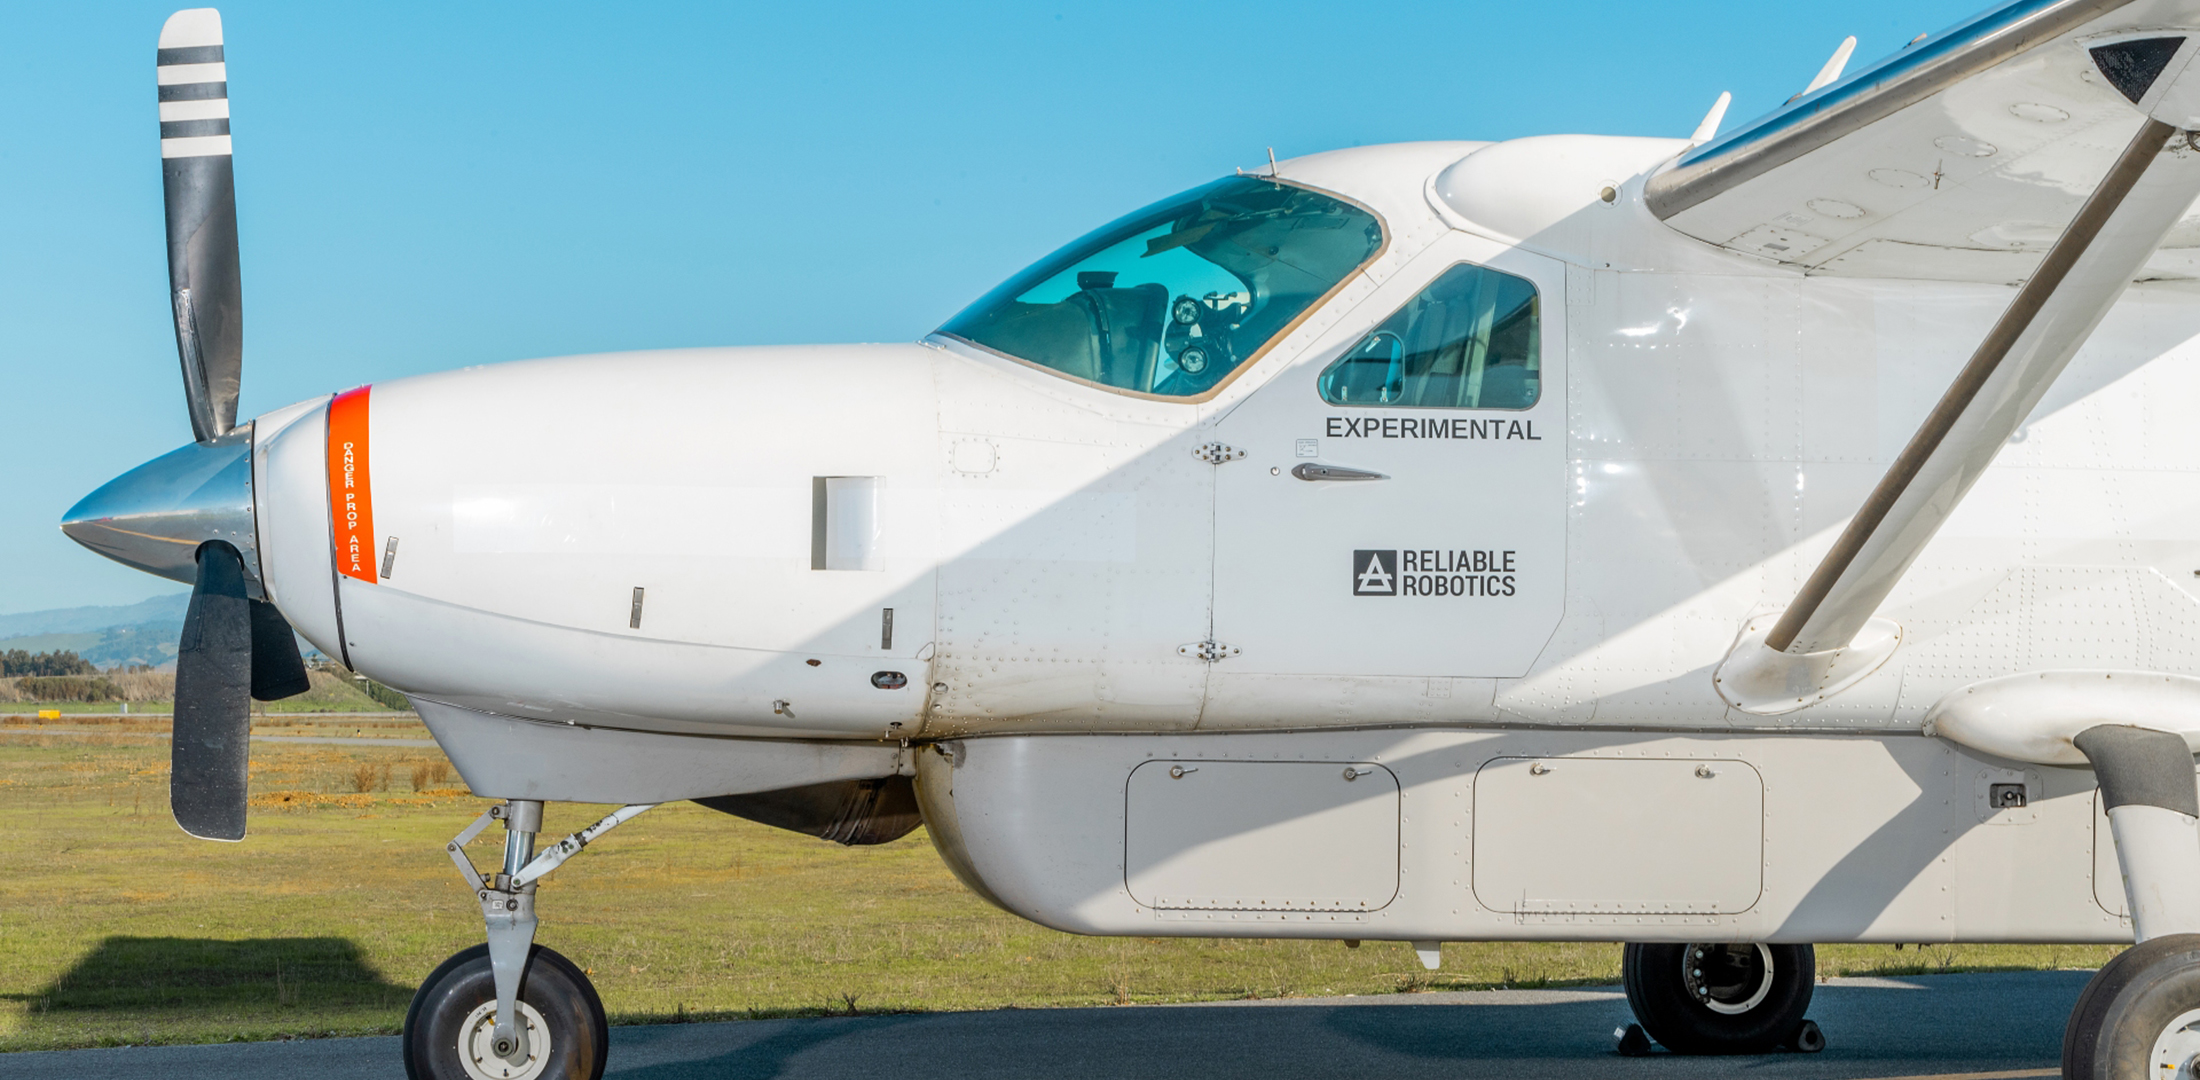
x=1227, y=837
x=1467, y=535
x=1048, y=547
x=2159, y=850
x=509, y=758
x=2036, y=716
x=1589, y=835
x=1863, y=838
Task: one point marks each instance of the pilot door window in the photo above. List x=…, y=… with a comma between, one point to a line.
x=1171, y=299
x=1468, y=341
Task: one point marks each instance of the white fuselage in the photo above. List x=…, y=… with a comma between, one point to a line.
x=1048, y=546
x=1057, y=557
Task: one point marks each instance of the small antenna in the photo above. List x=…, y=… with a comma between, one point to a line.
x=1709, y=128
x=1271, y=163
x=1834, y=66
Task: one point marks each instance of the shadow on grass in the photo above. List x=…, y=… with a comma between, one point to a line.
x=184, y=977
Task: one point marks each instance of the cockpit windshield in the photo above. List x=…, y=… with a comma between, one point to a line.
x=1171, y=299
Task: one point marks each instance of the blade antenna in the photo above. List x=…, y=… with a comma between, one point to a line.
x=1834, y=66
x=1709, y=128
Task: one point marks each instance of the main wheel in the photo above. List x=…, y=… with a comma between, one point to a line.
x=452, y=1022
x=2139, y=1016
x=1719, y=999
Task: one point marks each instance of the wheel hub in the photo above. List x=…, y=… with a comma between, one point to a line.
x=1733, y=979
x=477, y=1045
x=2177, y=1048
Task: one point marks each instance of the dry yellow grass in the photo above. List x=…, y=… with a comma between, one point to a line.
x=134, y=686
x=153, y=691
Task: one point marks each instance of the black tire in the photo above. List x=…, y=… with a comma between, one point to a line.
x=436, y=1023
x=2129, y=1004
x=1747, y=1010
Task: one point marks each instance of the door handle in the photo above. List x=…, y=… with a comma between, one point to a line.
x=1311, y=471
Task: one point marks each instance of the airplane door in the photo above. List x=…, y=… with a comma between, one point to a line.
x=1401, y=508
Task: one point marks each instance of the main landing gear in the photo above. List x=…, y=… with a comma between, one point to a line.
x=510, y=1009
x=2140, y=1016
x=1707, y=998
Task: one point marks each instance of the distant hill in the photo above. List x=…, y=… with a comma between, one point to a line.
x=118, y=636
x=140, y=633
x=91, y=620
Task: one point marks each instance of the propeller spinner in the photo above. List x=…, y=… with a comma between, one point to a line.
x=189, y=514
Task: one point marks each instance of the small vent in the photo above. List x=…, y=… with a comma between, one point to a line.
x=2132, y=66
x=844, y=523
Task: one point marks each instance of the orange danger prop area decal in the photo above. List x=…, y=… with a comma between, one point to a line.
x=350, y=491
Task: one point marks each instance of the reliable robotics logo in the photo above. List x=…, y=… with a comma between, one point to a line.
x=1374, y=573
x=1433, y=572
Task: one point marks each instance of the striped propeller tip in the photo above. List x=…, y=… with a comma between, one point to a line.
x=194, y=86
x=192, y=28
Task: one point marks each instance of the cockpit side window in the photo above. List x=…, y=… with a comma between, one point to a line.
x=1468, y=341
x=1171, y=299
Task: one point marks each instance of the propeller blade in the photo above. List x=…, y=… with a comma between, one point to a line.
x=213, y=725
x=201, y=196
x=278, y=671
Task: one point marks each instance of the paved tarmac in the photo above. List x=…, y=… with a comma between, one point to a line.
x=1943, y=1027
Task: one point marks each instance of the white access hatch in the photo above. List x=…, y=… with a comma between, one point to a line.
x=1653, y=836
x=1261, y=835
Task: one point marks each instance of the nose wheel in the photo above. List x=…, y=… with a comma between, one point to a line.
x=450, y=1030
x=1706, y=998
x=510, y=1009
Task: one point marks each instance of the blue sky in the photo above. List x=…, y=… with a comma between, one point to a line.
x=425, y=186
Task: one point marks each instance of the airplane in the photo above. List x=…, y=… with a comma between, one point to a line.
x=1718, y=545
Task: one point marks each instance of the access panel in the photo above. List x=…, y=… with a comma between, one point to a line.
x=1652, y=836
x=1261, y=835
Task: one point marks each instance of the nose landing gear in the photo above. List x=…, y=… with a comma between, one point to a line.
x=510, y=1009
x=1705, y=998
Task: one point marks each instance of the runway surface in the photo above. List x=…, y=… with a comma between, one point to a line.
x=1943, y=1027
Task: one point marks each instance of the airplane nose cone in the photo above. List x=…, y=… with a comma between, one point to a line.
x=155, y=516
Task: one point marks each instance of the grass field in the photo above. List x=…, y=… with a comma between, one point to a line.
x=152, y=693
x=115, y=928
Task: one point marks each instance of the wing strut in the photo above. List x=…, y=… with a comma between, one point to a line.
x=2146, y=191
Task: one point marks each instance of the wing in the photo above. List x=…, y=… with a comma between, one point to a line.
x=2047, y=141
x=1960, y=158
